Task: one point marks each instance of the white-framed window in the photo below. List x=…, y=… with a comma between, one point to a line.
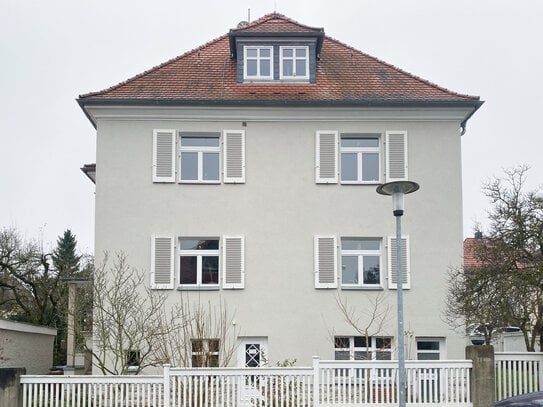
x=360, y=158
x=199, y=155
x=205, y=352
x=294, y=62
x=133, y=360
x=198, y=266
x=362, y=348
x=199, y=262
x=361, y=263
x=430, y=348
x=258, y=62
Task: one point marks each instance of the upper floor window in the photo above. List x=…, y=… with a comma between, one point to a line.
x=294, y=62
x=198, y=267
x=199, y=262
x=200, y=157
x=360, y=263
x=258, y=63
x=360, y=158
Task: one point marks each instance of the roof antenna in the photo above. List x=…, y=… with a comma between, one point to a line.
x=249, y=15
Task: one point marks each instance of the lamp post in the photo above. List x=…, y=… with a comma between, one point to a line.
x=398, y=189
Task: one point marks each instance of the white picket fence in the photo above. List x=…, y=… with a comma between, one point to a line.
x=326, y=383
x=518, y=373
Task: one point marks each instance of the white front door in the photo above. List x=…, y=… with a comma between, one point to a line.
x=252, y=352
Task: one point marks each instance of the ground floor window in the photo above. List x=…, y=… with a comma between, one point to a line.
x=132, y=360
x=430, y=348
x=205, y=352
x=362, y=348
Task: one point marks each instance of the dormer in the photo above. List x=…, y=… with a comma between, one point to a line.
x=277, y=50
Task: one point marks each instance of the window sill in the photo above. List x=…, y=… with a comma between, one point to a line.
x=258, y=80
x=362, y=288
x=200, y=182
x=360, y=183
x=185, y=287
x=277, y=81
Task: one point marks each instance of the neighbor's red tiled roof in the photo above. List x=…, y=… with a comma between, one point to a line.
x=470, y=259
x=344, y=74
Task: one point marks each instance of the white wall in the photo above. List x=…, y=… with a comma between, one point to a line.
x=26, y=345
x=280, y=208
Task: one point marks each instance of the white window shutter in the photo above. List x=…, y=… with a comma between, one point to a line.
x=233, y=262
x=392, y=263
x=234, y=156
x=396, y=146
x=326, y=157
x=162, y=262
x=325, y=261
x=164, y=155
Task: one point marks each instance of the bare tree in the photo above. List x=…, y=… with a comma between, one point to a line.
x=129, y=319
x=506, y=285
x=207, y=338
x=133, y=327
x=32, y=290
x=475, y=297
x=367, y=321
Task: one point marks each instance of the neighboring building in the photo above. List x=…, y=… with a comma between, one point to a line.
x=504, y=339
x=245, y=171
x=26, y=345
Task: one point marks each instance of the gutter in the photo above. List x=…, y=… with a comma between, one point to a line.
x=474, y=104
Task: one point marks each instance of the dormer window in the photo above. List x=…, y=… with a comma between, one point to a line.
x=258, y=63
x=294, y=62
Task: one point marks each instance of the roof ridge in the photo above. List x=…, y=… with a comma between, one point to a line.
x=154, y=68
x=402, y=71
x=271, y=16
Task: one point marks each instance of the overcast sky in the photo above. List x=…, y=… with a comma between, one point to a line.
x=52, y=51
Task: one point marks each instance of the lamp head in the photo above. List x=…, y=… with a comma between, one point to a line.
x=397, y=189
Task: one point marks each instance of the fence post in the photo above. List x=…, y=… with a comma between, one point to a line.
x=316, y=381
x=11, y=389
x=483, y=376
x=166, y=390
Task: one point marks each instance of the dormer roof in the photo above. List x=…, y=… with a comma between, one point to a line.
x=274, y=26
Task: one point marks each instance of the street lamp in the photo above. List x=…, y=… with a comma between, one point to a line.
x=398, y=189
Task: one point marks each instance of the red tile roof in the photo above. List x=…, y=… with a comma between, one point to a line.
x=344, y=76
x=470, y=258
x=276, y=23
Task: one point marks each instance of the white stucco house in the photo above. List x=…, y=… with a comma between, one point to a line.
x=245, y=171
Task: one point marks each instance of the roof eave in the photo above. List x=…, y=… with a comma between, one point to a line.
x=365, y=102
x=82, y=104
x=473, y=104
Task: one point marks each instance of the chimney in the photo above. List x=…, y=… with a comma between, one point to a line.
x=478, y=235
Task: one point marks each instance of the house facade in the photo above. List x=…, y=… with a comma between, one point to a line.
x=244, y=173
